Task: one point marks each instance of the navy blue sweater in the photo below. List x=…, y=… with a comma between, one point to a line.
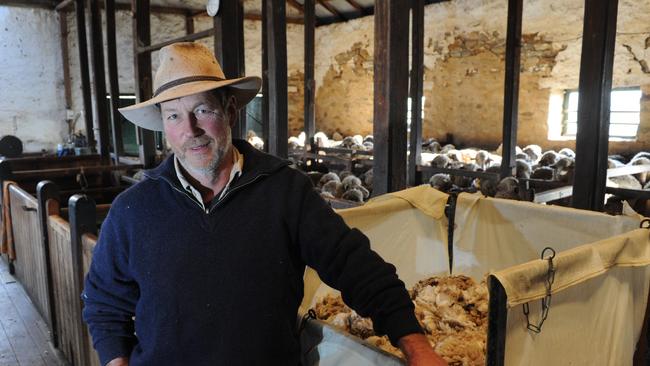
x=223, y=288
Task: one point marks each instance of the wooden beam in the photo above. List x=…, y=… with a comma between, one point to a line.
x=43, y=4
x=188, y=38
x=497, y=323
x=82, y=47
x=358, y=7
x=99, y=78
x=189, y=23
x=63, y=5
x=65, y=58
x=114, y=87
x=592, y=138
x=265, y=78
x=310, y=83
x=82, y=218
x=416, y=91
x=229, y=49
x=331, y=9
x=276, y=38
x=48, y=191
x=390, y=95
x=296, y=5
x=143, y=79
x=511, y=88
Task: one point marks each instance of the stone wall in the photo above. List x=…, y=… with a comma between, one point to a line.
x=464, y=71
x=32, y=101
x=31, y=97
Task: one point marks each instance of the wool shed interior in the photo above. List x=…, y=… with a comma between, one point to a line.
x=525, y=107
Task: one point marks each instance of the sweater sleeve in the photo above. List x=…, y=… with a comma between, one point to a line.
x=110, y=295
x=344, y=260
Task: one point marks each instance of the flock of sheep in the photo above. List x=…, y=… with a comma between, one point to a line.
x=532, y=163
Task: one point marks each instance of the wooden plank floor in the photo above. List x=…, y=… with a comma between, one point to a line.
x=24, y=336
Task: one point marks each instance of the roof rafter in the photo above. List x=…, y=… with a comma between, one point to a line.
x=296, y=5
x=331, y=9
x=358, y=7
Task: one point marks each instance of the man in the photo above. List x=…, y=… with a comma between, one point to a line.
x=201, y=263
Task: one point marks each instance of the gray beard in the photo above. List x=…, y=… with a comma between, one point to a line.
x=224, y=145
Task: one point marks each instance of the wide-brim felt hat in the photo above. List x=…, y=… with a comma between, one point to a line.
x=187, y=68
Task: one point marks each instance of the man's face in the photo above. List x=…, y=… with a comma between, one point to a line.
x=198, y=131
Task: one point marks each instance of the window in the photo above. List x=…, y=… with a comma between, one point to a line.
x=625, y=113
x=408, y=112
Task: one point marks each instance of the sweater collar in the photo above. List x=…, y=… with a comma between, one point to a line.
x=257, y=163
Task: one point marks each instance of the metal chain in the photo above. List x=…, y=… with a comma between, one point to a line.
x=546, y=301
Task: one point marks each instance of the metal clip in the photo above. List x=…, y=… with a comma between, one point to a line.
x=310, y=314
x=546, y=301
x=645, y=224
x=81, y=179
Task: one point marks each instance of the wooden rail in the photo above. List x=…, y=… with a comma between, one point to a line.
x=65, y=248
x=30, y=264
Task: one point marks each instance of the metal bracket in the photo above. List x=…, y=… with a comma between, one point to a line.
x=546, y=301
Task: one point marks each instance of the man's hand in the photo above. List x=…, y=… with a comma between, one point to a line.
x=120, y=361
x=418, y=351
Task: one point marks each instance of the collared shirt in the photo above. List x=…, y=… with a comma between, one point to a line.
x=237, y=168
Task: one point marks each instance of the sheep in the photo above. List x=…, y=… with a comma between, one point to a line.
x=488, y=187
x=441, y=182
x=567, y=152
x=328, y=178
x=549, y=158
x=441, y=161
x=523, y=169
x=641, y=160
x=613, y=163
x=447, y=148
x=482, y=159
x=534, y=152
x=321, y=139
x=333, y=187
x=354, y=195
x=543, y=172
x=254, y=140
x=624, y=181
x=350, y=182
x=508, y=188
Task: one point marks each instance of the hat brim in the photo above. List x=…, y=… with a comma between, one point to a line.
x=147, y=114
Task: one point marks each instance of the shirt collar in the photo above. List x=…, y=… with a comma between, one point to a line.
x=237, y=168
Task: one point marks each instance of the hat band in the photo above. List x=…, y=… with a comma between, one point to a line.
x=185, y=80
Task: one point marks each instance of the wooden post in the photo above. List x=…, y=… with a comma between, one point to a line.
x=276, y=41
x=310, y=84
x=497, y=321
x=111, y=49
x=511, y=86
x=417, y=76
x=229, y=49
x=189, y=23
x=80, y=12
x=142, y=68
x=265, y=77
x=391, y=92
x=99, y=78
x=592, y=138
x=48, y=191
x=82, y=221
x=65, y=58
